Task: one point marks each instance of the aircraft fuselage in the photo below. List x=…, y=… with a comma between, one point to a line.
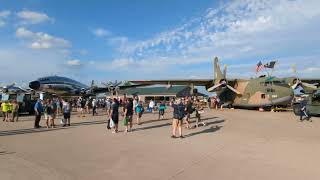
x=258, y=92
x=58, y=85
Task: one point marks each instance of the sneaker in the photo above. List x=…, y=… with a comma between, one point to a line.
x=181, y=137
x=173, y=136
x=114, y=131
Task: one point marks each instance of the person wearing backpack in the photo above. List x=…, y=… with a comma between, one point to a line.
x=178, y=115
x=189, y=110
x=199, y=110
x=162, y=108
x=139, y=109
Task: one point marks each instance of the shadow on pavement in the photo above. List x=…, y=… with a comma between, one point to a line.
x=86, y=123
x=192, y=121
x=152, y=127
x=32, y=130
x=155, y=120
x=6, y=153
x=211, y=129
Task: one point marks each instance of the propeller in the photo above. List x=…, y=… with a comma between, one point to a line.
x=297, y=82
x=234, y=90
x=221, y=78
x=217, y=86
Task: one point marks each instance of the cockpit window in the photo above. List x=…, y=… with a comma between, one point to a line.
x=279, y=82
x=270, y=90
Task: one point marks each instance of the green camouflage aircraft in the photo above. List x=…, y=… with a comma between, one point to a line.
x=312, y=102
x=263, y=91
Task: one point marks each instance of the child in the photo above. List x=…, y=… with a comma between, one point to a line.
x=162, y=108
x=139, y=110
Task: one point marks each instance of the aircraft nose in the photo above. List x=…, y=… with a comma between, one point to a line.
x=34, y=85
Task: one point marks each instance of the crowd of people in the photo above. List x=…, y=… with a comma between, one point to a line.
x=182, y=110
x=115, y=108
x=10, y=111
x=50, y=108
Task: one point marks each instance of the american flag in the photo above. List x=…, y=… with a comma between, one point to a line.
x=259, y=67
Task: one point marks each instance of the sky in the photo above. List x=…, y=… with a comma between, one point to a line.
x=152, y=39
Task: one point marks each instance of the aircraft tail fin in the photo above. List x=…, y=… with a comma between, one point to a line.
x=225, y=71
x=217, y=71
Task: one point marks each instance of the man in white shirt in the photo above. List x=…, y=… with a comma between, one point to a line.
x=151, y=105
x=94, y=107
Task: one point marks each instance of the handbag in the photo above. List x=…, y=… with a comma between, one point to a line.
x=111, y=124
x=62, y=121
x=201, y=111
x=125, y=121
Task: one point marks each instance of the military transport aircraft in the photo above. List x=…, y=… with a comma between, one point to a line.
x=263, y=91
x=12, y=88
x=64, y=86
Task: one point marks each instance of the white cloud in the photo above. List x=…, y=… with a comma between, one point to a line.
x=24, y=33
x=41, y=40
x=74, y=62
x=23, y=66
x=100, y=32
x=235, y=31
x=3, y=15
x=32, y=17
x=2, y=23
x=83, y=52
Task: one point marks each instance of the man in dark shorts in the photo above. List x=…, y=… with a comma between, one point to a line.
x=128, y=113
x=66, y=107
x=178, y=115
x=189, y=111
x=83, y=107
x=38, y=110
x=114, y=114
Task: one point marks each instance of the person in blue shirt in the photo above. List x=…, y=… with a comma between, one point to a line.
x=162, y=108
x=38, y=110
x=139, y=110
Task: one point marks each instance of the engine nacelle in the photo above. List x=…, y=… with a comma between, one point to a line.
x=223, y=82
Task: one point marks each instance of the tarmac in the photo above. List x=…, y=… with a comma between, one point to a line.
x=234, y=145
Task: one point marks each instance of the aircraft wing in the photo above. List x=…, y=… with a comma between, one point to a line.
x=123, y=87
x=133, y=86
x=195, y=82
x=311, y=81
